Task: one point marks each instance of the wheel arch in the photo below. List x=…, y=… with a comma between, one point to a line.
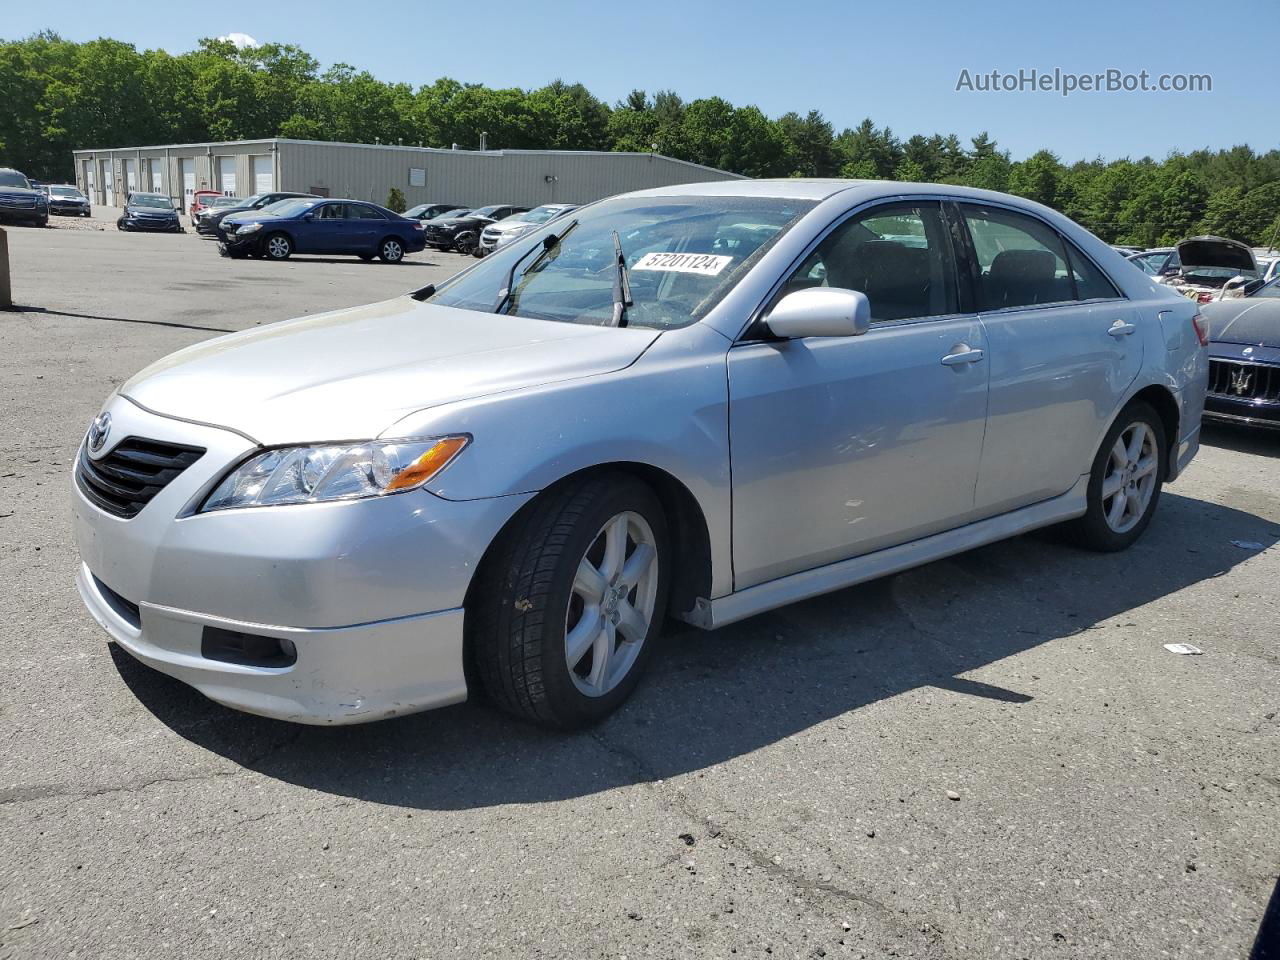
x=1161, y=399
x=687, y=528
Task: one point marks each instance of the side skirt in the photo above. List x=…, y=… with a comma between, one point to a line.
x=710, y=614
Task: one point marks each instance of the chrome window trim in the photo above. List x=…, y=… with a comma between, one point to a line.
x=757, y=314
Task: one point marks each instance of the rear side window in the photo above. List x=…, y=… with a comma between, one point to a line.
x=364, y=213
x=898, y=254
x=1022, y=261
x=1091, y=282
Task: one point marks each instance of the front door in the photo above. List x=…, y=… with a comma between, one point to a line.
x=1064, y=350
x=843, y=446
x=325, y=232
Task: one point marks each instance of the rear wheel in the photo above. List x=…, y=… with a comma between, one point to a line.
x=465, y=243
x=277, y=246
x=1125, y=483
x=565, y=611
x=391, y=250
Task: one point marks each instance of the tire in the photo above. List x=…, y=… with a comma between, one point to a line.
x=391, y=250
x=477, y=252
x=277, y=246
x=1109, y=525
x=465, y=243
x=528, y=599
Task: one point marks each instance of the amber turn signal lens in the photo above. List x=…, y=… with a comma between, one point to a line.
x=429, y=464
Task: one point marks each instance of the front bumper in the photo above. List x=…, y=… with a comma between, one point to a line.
x=70, y=209
x=154, y=224
x=24, y=214
x=370, y=592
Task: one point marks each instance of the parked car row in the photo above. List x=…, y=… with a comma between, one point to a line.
x=1209, y=268
x=321, y=225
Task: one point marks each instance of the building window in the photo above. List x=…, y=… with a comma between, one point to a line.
x=417, y=177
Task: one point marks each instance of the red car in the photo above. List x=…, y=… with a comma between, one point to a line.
x=199, y=202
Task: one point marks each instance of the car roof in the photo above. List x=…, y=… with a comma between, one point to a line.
x=818, y=189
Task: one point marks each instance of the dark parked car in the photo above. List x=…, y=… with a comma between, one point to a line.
x=429, y=211
x=149, y=211
x=68, y=200
x=1244, y=357
x=21, y=202
x=462, y=233
x=209, y=223
x=365, y=230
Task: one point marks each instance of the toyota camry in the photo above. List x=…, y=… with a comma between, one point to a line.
x=699, y=402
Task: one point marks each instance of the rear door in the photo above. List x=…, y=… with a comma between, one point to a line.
x=843, y=446
x=365, y=227
x=1064, y=349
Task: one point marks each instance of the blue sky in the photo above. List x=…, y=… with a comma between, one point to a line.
x=896, y=62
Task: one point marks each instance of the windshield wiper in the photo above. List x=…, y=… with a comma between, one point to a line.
x=549, y=243
x=621, y=284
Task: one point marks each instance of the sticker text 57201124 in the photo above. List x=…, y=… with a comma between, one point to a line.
x=707, y=264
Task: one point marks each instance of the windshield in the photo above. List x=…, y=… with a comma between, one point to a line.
x=150, y=200
x=538, y=214
x=486, y=211
x=1270, y=290
x=683, y=255
x=12, y=178
x=223, y=202
x=65, y=192
x=459, y=212
x=288, y=208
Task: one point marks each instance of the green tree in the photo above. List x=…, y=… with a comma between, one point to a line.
x=395, y=200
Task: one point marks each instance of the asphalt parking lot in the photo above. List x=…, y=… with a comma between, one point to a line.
x=992, y=756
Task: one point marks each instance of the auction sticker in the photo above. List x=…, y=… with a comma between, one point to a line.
x=707, y=264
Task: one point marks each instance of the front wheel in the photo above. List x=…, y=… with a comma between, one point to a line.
x=277, y=247
x=391, y=250
x=565, y=612
x=465, y=243
x=1125, y=482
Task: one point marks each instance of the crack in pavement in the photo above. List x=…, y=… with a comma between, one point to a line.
x=683, y=805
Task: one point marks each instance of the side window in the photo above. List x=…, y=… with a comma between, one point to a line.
x=1021, y=259
x=1091, y=283
x=364, y=213
x=333, y=211
x=898, y=254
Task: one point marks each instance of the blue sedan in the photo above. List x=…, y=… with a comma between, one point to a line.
x=316, y=225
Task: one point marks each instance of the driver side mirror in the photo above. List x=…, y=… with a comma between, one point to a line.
x=308, y=216
x=1233, y=287
x=821, y=312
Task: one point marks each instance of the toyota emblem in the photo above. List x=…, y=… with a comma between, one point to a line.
x=98, y=431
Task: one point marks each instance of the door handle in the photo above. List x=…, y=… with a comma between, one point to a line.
x=961, y=353
x=1121, y=329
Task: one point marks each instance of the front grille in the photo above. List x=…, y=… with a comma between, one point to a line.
x=1244, y=381
x=127, y=478
x=489, y=236
x=21, y=203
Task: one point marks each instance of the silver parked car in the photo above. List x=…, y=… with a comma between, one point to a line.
x=504, y=231
x=704, y=401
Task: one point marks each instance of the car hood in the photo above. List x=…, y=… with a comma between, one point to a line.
x=150, y=211
x=21, y=192
x=1215, y=252
x=453, y=223
x=351, y=374
x=1244, y=320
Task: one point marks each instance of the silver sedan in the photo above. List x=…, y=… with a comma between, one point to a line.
x=700, y=402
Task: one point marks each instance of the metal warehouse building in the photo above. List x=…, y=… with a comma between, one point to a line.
x=362, y=171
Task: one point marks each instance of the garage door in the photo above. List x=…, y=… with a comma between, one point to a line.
x=90, y=181
x=130, y=176
x=187, y=170
x=264, y=180
x=227, y=176
x=108, y=188
x=157, y=176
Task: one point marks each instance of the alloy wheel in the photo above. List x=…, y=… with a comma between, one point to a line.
x=612, y=604
x=1130, y=477
x=278, y=248
x=392, y=251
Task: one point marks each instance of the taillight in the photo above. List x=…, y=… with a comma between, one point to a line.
x=1204, y=298
x=1202, y=328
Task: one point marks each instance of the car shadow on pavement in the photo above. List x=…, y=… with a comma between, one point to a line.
x=1259, y=441
x=713, y=696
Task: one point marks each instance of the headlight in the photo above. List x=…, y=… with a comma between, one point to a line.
x=337, y=471
x=248, y=228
